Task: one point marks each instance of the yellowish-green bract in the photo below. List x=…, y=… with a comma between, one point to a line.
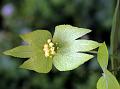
x=66, y=57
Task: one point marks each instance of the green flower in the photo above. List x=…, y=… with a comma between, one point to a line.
x=62, y=50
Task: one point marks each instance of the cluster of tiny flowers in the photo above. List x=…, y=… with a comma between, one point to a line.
x=49, y=48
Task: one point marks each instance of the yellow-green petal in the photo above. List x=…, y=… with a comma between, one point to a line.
x=20, y=51
x=81, y=45
x=67, y=33
x=38, y=63
x=37, y=38
x=69, y=61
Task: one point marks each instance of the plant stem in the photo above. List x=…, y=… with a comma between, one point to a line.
x=117, y=69
x=115, y=37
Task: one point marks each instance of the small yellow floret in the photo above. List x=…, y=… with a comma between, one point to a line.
x=49, y=48
x=46, y=45
x=45, y=49
x=47, y=54
x=57, y=47
x=53, y=52
x=49, y=40
x=51, y=44
x=52, y=48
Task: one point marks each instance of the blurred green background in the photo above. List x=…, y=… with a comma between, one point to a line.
x=22, y=16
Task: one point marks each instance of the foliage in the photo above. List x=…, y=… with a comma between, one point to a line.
x=27, y=15
x=108, y=80
x=66, y=56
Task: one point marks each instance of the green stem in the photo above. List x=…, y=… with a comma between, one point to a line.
x=115, y=37
x=117, y=69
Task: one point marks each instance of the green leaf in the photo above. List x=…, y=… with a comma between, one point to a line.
x=103, y=55
x=101, y=84
x=20, y=51
x=65, y=60
x=108, y=81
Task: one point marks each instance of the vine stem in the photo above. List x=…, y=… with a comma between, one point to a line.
x=114, y=45
x=117, y=69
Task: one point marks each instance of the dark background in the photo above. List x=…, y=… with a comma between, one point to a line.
x=22, y=16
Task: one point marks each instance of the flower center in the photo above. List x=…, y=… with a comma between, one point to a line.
x=49, y=48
